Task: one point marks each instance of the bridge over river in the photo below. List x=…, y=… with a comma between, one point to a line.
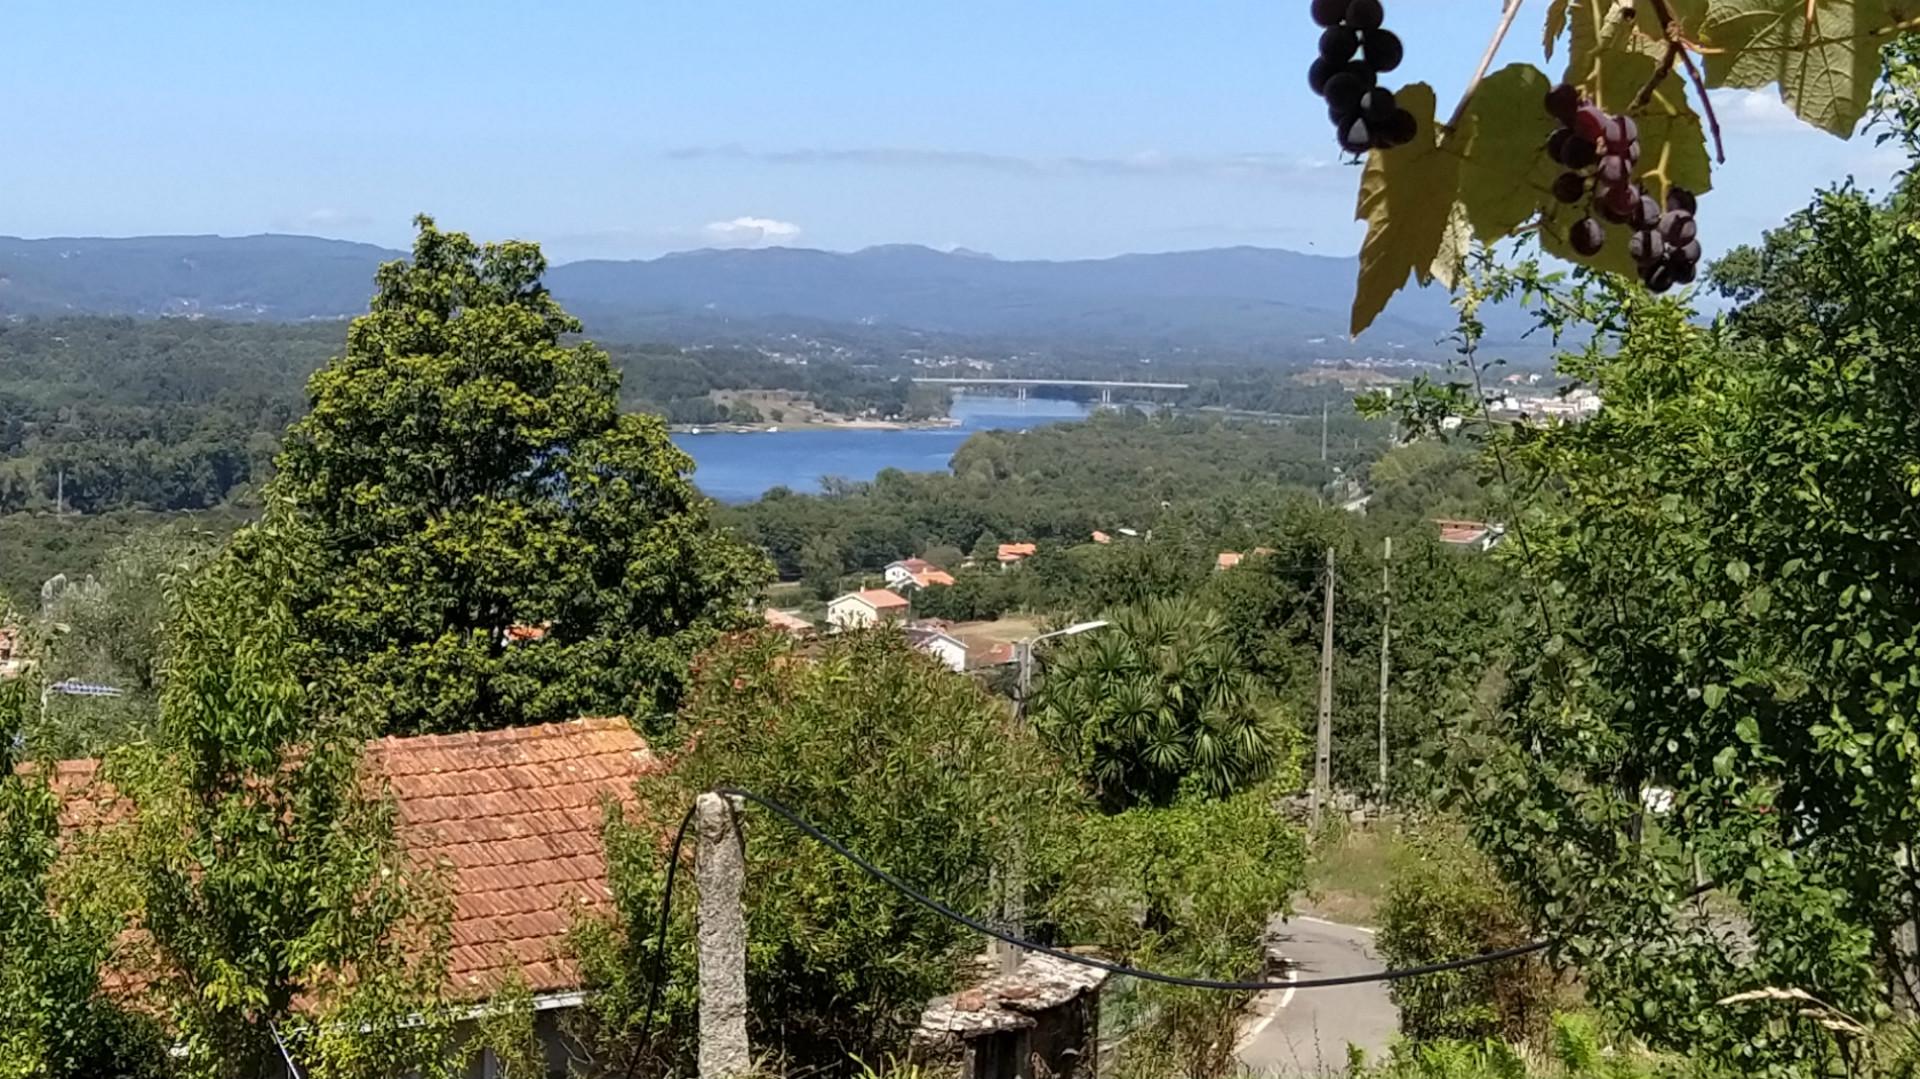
x=1105, y=386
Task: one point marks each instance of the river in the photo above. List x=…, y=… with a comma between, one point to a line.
x=741, y=466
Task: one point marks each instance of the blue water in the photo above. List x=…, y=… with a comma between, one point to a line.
x=736, y=467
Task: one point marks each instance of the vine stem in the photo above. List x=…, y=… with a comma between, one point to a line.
x=1677, y=48
x=1486, y=61
x=1706, y=106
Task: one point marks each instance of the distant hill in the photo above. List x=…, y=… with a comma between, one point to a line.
x=245, y=278
x=1240, y=298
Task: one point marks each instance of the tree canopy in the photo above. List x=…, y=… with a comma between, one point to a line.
x=464, y=471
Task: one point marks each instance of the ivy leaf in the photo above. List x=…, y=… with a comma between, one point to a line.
x=1406, y=199
x=1505, y=174
x=1826, y=66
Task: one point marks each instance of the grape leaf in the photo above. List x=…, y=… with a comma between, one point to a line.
x=1602, y=37
x=1556, y=24
x=1826, y=66
x=1456, y=243
x=1505, y=173
x=1406, y=198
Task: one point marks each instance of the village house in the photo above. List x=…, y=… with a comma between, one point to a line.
x=915, y=573
x=788, y=623
x=514, y=819
x=1477, y=535
x=869, y=607
x=1012, y=553
x=934, y=640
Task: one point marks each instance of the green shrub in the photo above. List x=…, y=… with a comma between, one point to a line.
x=1443, y=902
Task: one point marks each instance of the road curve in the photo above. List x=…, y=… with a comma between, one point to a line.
x=1307, y=1032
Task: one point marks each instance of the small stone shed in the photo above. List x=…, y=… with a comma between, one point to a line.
x=1039, y=1022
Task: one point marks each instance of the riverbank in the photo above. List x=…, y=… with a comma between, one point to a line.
x=941, y=424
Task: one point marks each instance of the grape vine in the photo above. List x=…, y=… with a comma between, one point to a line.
x=1599, y=153
x=1354, y=51
x=1626, y=153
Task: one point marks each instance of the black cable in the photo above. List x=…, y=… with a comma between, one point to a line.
x=975, y=924
x=660, y=951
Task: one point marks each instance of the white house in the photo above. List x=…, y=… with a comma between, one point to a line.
x=869, y=607
x=915, y=573
x=939, y=644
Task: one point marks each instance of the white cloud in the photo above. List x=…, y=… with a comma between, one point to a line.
x=751, y=232
x=1756, y=112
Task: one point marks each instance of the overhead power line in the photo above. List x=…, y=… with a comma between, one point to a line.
x=1123, y=969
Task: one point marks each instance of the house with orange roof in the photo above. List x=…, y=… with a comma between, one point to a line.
x=1227, y=559
x=915, y=573
x=1478, y=535
x=787, y=622
x=1012, y=553
x=512, y=818
x=867, y=607
x=1101, y=537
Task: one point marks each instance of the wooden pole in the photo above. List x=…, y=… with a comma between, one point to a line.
x=1323, y=751
x=720, y=872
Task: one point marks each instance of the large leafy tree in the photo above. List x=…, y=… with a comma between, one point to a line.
x=1161, y=704
x=275, y=907
x=55, y=933
x=465, y=470
x=1720, y=633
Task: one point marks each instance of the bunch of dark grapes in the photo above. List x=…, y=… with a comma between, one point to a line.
x=1354, y=51
x=1599, y=153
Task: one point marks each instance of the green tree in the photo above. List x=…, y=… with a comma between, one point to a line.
x=839, y=966
x=1719, y=626
x=1159, y=704
x=273, y=899
x=463, y=471
x=56, y=933
x=821, y=564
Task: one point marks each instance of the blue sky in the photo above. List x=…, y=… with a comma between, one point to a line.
x=1025, y=128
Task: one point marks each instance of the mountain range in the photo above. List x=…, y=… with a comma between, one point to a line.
x=1239, y=298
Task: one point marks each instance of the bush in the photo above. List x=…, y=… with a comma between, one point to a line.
x=1444, y=901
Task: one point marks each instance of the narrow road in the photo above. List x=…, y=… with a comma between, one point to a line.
x=1307, y=1032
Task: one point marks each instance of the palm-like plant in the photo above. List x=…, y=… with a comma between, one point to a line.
x=1160, y=704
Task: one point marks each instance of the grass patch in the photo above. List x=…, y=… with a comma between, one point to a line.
x=1349, y=870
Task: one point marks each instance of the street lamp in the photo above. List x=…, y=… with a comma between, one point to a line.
x=1025, y=650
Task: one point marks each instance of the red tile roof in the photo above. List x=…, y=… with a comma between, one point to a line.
x=790, y=623
x=1101, y=537
x=1014, y=552
x=879, y=598
x=928, y=577
x=1462, y=531
x=515, y=815
x=1226, y=559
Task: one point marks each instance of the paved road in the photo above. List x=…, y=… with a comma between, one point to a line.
x=1307, y=1032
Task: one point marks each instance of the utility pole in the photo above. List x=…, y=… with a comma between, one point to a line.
x=1323, y=431
x=1386, y=618
x=719, y=870
x=60, y=490
x=1323, y=751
